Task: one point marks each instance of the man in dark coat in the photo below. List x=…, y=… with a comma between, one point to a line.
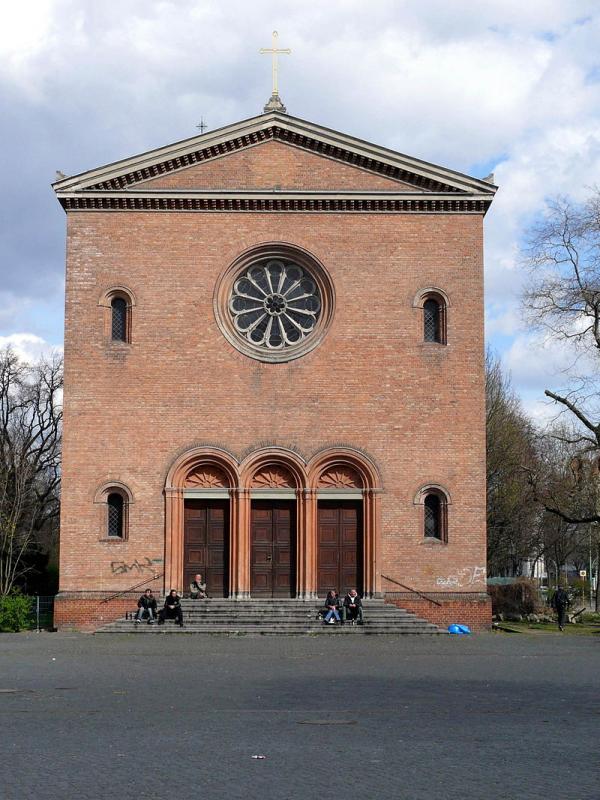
x=352, y=609
x=172, y=609
x=146, y=606
x=560, y=601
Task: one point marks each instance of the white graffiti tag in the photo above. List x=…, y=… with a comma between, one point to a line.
x=464, y=577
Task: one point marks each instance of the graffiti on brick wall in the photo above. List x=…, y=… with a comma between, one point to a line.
x=464, y=577
x=137, y=566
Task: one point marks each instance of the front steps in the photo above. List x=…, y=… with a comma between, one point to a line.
x=272, y=617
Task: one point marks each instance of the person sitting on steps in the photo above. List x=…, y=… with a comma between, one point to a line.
x=146, y=606
x=172, y=609
x=332, y=604
x=352, y=608
x=198, y=589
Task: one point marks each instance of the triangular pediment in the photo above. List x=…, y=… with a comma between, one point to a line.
x=271, y=153
x=275, y=165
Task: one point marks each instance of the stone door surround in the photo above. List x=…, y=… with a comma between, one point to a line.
x=334, y=473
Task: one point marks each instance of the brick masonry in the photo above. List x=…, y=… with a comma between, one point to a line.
x=130, y=409
x=473, y=609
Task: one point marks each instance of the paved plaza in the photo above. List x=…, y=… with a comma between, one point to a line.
x=126, y=716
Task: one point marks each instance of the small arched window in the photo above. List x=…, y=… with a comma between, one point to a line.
x=435, y=518
x=434, y=305
x=432, y=321
x=119, y=314
x=115, y=518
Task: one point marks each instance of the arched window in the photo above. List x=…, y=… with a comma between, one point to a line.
x=115, y=517
x=432, y=321
x=119, y=326
x=434, y=305
x=435, y=517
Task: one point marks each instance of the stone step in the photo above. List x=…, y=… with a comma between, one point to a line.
x=270, y=629
x=277, y=617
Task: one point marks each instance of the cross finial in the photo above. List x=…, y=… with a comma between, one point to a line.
x=274, y=103
x=202, y=126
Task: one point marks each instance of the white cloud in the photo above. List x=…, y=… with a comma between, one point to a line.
x=29, y=347
x=508, y=84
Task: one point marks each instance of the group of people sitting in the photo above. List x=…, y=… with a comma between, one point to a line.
x=147, y=606
x=351, y=608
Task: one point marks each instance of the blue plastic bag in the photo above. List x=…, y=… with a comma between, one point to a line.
x=461, y=630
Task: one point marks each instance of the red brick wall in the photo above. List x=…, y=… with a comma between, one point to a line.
x=271, y=164
x=474, y=610
x=90, y=610
x=416, y=409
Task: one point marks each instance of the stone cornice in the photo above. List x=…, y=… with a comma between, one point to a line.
x=257, y=201
x=125, y=174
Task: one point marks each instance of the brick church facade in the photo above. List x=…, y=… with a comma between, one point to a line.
x=274, y=374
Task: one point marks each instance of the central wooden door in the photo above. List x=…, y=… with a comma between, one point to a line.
x=273, y=548
x=206, y=544
x=340, y=541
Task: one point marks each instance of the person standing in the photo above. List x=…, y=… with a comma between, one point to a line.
x=146, y=605
x=172, y=609
x=560, y=602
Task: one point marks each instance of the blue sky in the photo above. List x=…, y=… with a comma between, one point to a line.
x=506, y=86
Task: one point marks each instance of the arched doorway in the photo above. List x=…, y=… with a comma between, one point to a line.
x=274, y=481
x=345, y=521
x=200, y=513
x=206, y=529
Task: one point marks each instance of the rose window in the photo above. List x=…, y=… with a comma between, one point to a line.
x=275, y=304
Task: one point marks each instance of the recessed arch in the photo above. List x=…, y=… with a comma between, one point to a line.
x=330, y=458
x=118, y=303
x=428, y=488
x=107, y=487
x=433, y=304
x=345, y=490
x=281, y=460
x=430, y=291
x=113, y=499
x=117, y=291
x=215, y=460
x=433, y=500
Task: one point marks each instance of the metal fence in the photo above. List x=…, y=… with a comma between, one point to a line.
x=42, y=613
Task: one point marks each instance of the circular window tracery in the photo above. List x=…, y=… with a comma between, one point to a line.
x=275, y=304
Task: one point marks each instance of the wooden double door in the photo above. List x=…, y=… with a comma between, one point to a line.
x=206, y=544
x=340, y=546
x=273, y=548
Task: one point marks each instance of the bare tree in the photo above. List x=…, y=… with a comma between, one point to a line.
x=512, y=513
x=563, y=298
x=30, y=441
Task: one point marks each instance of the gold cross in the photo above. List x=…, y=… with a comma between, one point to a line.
x=274, y=52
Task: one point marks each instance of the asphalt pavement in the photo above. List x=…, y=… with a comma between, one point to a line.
x=125, y=716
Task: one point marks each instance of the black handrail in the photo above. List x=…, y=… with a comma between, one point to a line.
x=410, y=589
x=131, y=588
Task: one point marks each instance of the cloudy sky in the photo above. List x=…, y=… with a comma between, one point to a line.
x=508, y=86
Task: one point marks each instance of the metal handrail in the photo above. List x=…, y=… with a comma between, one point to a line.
x=131, y=588
x=410, y=589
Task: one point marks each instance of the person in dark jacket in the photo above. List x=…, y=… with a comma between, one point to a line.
x=352, y=609
x=146, y=607
x=332, y=605
x=198, y=588
x=560, y=602
x=172, y=609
